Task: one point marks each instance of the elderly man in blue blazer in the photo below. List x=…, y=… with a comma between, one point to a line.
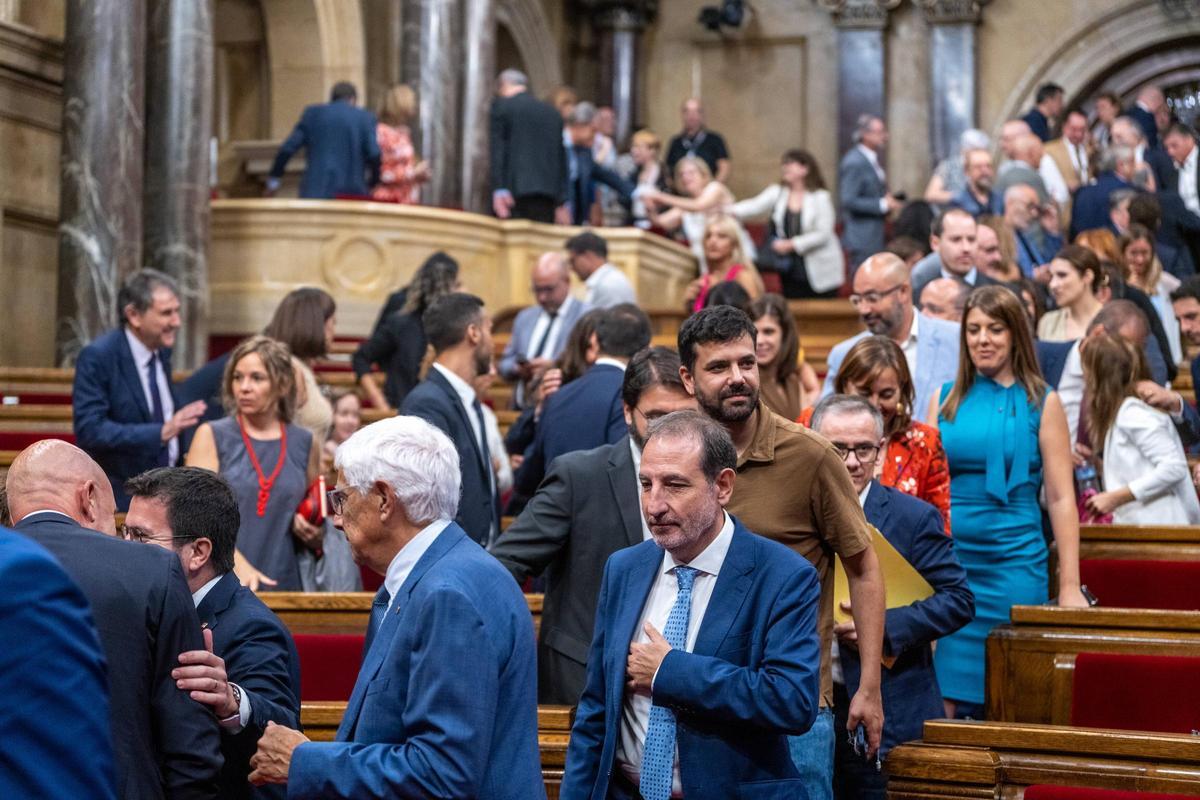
x=705, y=655
x=883, y=297
x=446, y=700
x=914, y=527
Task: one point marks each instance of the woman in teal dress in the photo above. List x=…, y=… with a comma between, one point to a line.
x=1005, y=436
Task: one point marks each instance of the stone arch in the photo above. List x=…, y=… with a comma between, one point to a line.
x=530, y=29
x=311, y=44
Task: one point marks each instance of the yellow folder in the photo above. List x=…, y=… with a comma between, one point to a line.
x=903, y=584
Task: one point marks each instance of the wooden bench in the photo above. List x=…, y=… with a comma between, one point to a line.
x=1030, y=661
x=1154, y=543
x=340, y=612
x=1000, y=759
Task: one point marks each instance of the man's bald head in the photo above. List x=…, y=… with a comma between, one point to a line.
x=883, y=295
x=1152, y=98
x=551, y=280
x=944, y=298
x=58, y=476
x=1010, y=132
x=1028, y=148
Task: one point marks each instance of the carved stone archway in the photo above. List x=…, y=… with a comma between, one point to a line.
x=535, y=41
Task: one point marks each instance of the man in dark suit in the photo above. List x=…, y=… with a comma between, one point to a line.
x=53, y=668
x=249, y=655
x=914, y=528
x=1090, y=208
x=125, y=414
x=705, y=655
x=862, y=192
x=529, y=162
x=1149, y=100
x=166, y=744
x=952, y=239
x=583, y=173
x=1048, y=106
x=445, y=703
x=460, y=332
x=587, y=412
x=340, y=149
x=577, y=520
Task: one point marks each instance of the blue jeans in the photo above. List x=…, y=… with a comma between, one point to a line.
x=812, y=754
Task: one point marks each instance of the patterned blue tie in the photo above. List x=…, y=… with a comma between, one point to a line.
x=658, y=752
x=379, y=609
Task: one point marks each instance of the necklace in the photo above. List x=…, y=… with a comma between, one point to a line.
x=264, y=483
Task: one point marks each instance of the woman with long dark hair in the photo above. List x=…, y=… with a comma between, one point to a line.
x=786, y=383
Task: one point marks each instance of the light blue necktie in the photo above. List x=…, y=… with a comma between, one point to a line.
x=658, y=751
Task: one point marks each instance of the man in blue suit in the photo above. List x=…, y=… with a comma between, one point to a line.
x=340, y=149
x=1149, y=100
x=1090, y=209
x=588, y=411
x=460, y=332
x=125, y=414
x=53, y=669
x=446, y=701
x=583, y=173
x=705, y=655
x=249, y=654
x=862, y=191
x=909, y=685
x=883, y=297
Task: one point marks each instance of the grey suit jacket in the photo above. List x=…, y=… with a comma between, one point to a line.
x=859, y=193
x=519, y=343
x=587, y=508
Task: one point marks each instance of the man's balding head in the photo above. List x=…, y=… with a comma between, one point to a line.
x=944, y=298
x=1152, y=98
x=551, y=280
x=883, y=295
x=1010, y=132
x=1021, y=206
x=1028, y=148
x=58, y=476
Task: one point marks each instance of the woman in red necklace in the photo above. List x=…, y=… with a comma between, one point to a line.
x=267, y=460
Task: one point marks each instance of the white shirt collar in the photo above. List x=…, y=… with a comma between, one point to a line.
x=612, y=362
x=1189, y=163
x=871, y=155
x=464, y=390
x=914, y=330
x=862, y=496
x=712, y=557
x=404, y=561
x=45, y=511
x=199, y=595
x=141, y=353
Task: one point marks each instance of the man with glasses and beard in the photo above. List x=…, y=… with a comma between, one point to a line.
x=883, y=297
x=793, y=488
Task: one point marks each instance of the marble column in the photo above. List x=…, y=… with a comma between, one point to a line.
x=179, y=109
x=479, y=76
x=619, y=27
x=432, y=61
x=952, y=70
x=862, y=77
x=100, y=232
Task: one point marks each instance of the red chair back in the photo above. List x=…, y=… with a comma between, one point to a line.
x=371, y=580
x=1165, y=585
x=1136, y=693
x=329, y=665
x=1045, y=792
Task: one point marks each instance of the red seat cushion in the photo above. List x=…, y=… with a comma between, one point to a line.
x=1168, y=585
x=19, y=440
x=1136, y=693
x=328, y=664
x=42, y=398
x=1044, y=792
x=371, y=580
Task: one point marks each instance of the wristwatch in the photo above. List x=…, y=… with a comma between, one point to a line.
x=237, y=699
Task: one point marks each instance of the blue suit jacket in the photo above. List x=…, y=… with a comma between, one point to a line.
x=584, y=414
x=435, y=401
x=52, y=666
x=261, y=658
x=1145, y=121
x=1089, y=209
x=582, y=177
x=937, y=361
x=446, y=700
x=909, y=687
x=519, y=344
x=112, y=420
x=859, y=193
x=751, y=680
x=340, y=149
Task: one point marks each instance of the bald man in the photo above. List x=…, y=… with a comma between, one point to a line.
x=166, y=744
x=882, y=294
x=1149, y=100
x=540, y=331
x=1027, y=151
x=944, y=298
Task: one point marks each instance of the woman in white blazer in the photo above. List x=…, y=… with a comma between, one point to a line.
x=802, y=226
x=1146, y=475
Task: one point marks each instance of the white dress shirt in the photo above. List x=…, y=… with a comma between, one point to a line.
x=1070, y=390
x=550, y=348
x=1056, y=185
x=1079, y=160
x=404, y=561
x=637, y=468
x=607, y=287
x=141, y=360
x=1187, y=181
x=466, y=396
x=909, y=345
x=635, y=711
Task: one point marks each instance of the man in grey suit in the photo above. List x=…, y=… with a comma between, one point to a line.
x=587, y=508
x=953, y=241
x=883, y=296
x=540, y=331
x=862, y=191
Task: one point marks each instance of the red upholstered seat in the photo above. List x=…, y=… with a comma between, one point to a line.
x=1044, y=792
x=371, y=580
x=328, y=665
x=40, y=398
x=19, y=440
x=1168, y=585
x=1136, y=693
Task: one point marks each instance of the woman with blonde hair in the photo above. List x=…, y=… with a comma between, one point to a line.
x=400, y=173
x=1005, y=436
x=1103, y=243
x=643, y=166
x=726, y=262
x=1144, y=271
x=705, y=197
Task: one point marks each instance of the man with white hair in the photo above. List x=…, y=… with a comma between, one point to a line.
x=445, y=704
x=529, y=165
x=1152, y=167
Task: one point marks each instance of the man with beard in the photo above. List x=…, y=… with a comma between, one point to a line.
x=884, y=299
x=976, y=197
x=793, y=489
x=460, y=332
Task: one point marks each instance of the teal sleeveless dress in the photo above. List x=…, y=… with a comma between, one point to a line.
x=995, y=476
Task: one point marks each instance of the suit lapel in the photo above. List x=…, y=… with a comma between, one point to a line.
x=625, y=490
x=877, y=509
x=217, y=600
x=636, y=590
x=129, y=372
x=733, y=584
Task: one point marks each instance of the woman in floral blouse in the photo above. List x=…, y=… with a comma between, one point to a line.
x=400, y=174
x=915, y=463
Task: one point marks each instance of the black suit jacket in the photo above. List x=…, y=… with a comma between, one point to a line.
x=165, y=743
x=435, y=401
x=398, y=345
x=261, y=658
x=586, y=509
x=581, y=189
x=527, y=152
x=1145, y=121
x=1180, y=229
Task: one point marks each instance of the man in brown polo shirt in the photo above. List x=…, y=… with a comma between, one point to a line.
x=792, y=487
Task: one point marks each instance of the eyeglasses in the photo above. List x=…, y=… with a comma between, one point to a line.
x=133, y=533
x=865, y=453
x=872, y=298
x=336, y=500
x=649, y=417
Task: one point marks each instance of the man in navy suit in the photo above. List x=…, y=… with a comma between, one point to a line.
x=340, y=149
x=588, y=412
x=909, y=685
x=125, y=414
x=1090, y=208
x=53, y=669
x=862, y=191
x=460, y=332
x=249, y=671
x=445, y=704
x=528, y=160
x=1149, y=100
x=166, y=744
x=1048, y=106
x=583, y=173
x=705, y=655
